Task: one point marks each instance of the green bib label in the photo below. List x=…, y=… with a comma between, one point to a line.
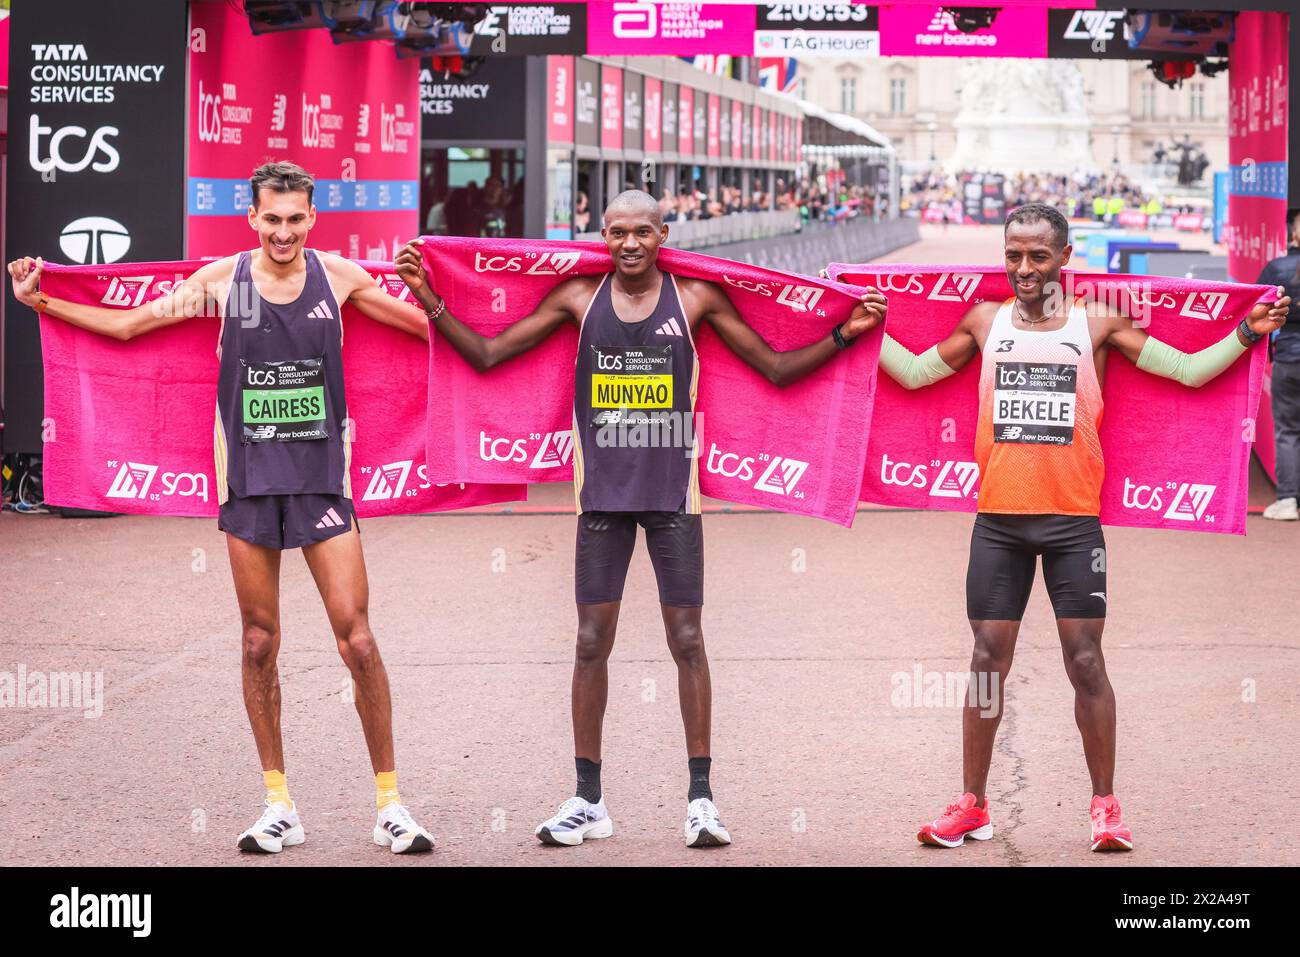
x=283, y=401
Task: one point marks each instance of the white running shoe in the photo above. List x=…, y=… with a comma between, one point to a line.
x=575, y=821
x=1283, y=510
x=395, y=828
x=277, y=828
x=703, y=829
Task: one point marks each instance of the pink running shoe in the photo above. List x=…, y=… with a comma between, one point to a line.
x=1108, y=831
x=960, y=821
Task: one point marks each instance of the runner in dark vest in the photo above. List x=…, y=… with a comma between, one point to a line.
x=282, y=457
x=636, y=369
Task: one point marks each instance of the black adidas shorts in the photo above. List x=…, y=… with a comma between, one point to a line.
x=286, y=521
x=605, y=542
x=1004, y=551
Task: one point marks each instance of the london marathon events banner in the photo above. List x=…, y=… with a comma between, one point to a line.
x=349, y=114
x=669, y=29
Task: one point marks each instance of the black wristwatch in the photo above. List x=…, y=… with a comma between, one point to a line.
x=840, y=341
x=1246, y=331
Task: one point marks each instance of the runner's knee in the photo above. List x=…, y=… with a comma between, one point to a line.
x=359, y=650
x=992, y=652
x=686, y=642
x=1086, y=670
x=260, y=644
x=594, y=644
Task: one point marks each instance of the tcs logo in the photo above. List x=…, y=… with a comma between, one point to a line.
x=261, y=376
x=555, y=449
x=1188, y=503
x=954, y=479
x=1010, y=378
x=604, y=361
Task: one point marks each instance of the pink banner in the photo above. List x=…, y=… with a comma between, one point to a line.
x=670, y=29
x=1133, y=217
x=1175, y=457
x=712, y=137
x=756, y=135
x=653, y=115
x=796, y=449
x=132, y=421
x=737, y=129
x=349, y=114
x=611, y=108
x=929, y=31
x=771, y=137
x=1257, y=144
x=685, y=124
x=559, y=112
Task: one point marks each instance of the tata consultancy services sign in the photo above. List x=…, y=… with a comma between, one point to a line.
x=96, y=169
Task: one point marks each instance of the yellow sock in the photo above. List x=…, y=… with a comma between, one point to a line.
x=386, y=789
x=276, y=788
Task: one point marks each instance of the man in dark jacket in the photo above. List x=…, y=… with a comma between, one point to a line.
x=1285, y=271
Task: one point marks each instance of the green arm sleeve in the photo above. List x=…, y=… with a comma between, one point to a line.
x=909, y=370
x=1194, y=369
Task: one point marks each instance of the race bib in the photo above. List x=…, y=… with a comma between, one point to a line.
x=283, y=401
x=640, y=378
x=1033, y=402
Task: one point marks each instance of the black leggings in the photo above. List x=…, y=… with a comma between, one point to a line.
x=1004, y=551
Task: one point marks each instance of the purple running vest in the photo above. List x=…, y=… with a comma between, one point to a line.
x=283, y=366
x=633, y=408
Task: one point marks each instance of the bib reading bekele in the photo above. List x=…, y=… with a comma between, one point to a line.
x=283, y=401
x=1034, y=402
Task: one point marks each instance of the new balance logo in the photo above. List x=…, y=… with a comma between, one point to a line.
x=669, y=328
x=132, y=481
x=330, y=520
x=322, y=311
x=781, y=476
x=263, y=432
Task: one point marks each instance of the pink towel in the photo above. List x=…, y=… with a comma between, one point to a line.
x=129, y=425
x=796, y=449
x=1176, y=457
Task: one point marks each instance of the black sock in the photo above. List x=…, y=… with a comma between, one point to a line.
x=588, y=780
x=699, y=779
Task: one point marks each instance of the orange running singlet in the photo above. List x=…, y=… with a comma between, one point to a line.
x=1040, y=409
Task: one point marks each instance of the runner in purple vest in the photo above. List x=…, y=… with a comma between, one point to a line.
x=282, y=454
x=636, y=373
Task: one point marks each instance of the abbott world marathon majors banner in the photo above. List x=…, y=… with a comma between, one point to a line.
x=95, y=158
x=348, y=113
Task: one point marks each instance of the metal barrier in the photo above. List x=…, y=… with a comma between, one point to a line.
x=809, y=251
x=806, y=251
x=723, y=230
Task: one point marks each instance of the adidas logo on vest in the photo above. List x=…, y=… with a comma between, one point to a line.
x=322, y=311
x=669, y=328
x=330, y=520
